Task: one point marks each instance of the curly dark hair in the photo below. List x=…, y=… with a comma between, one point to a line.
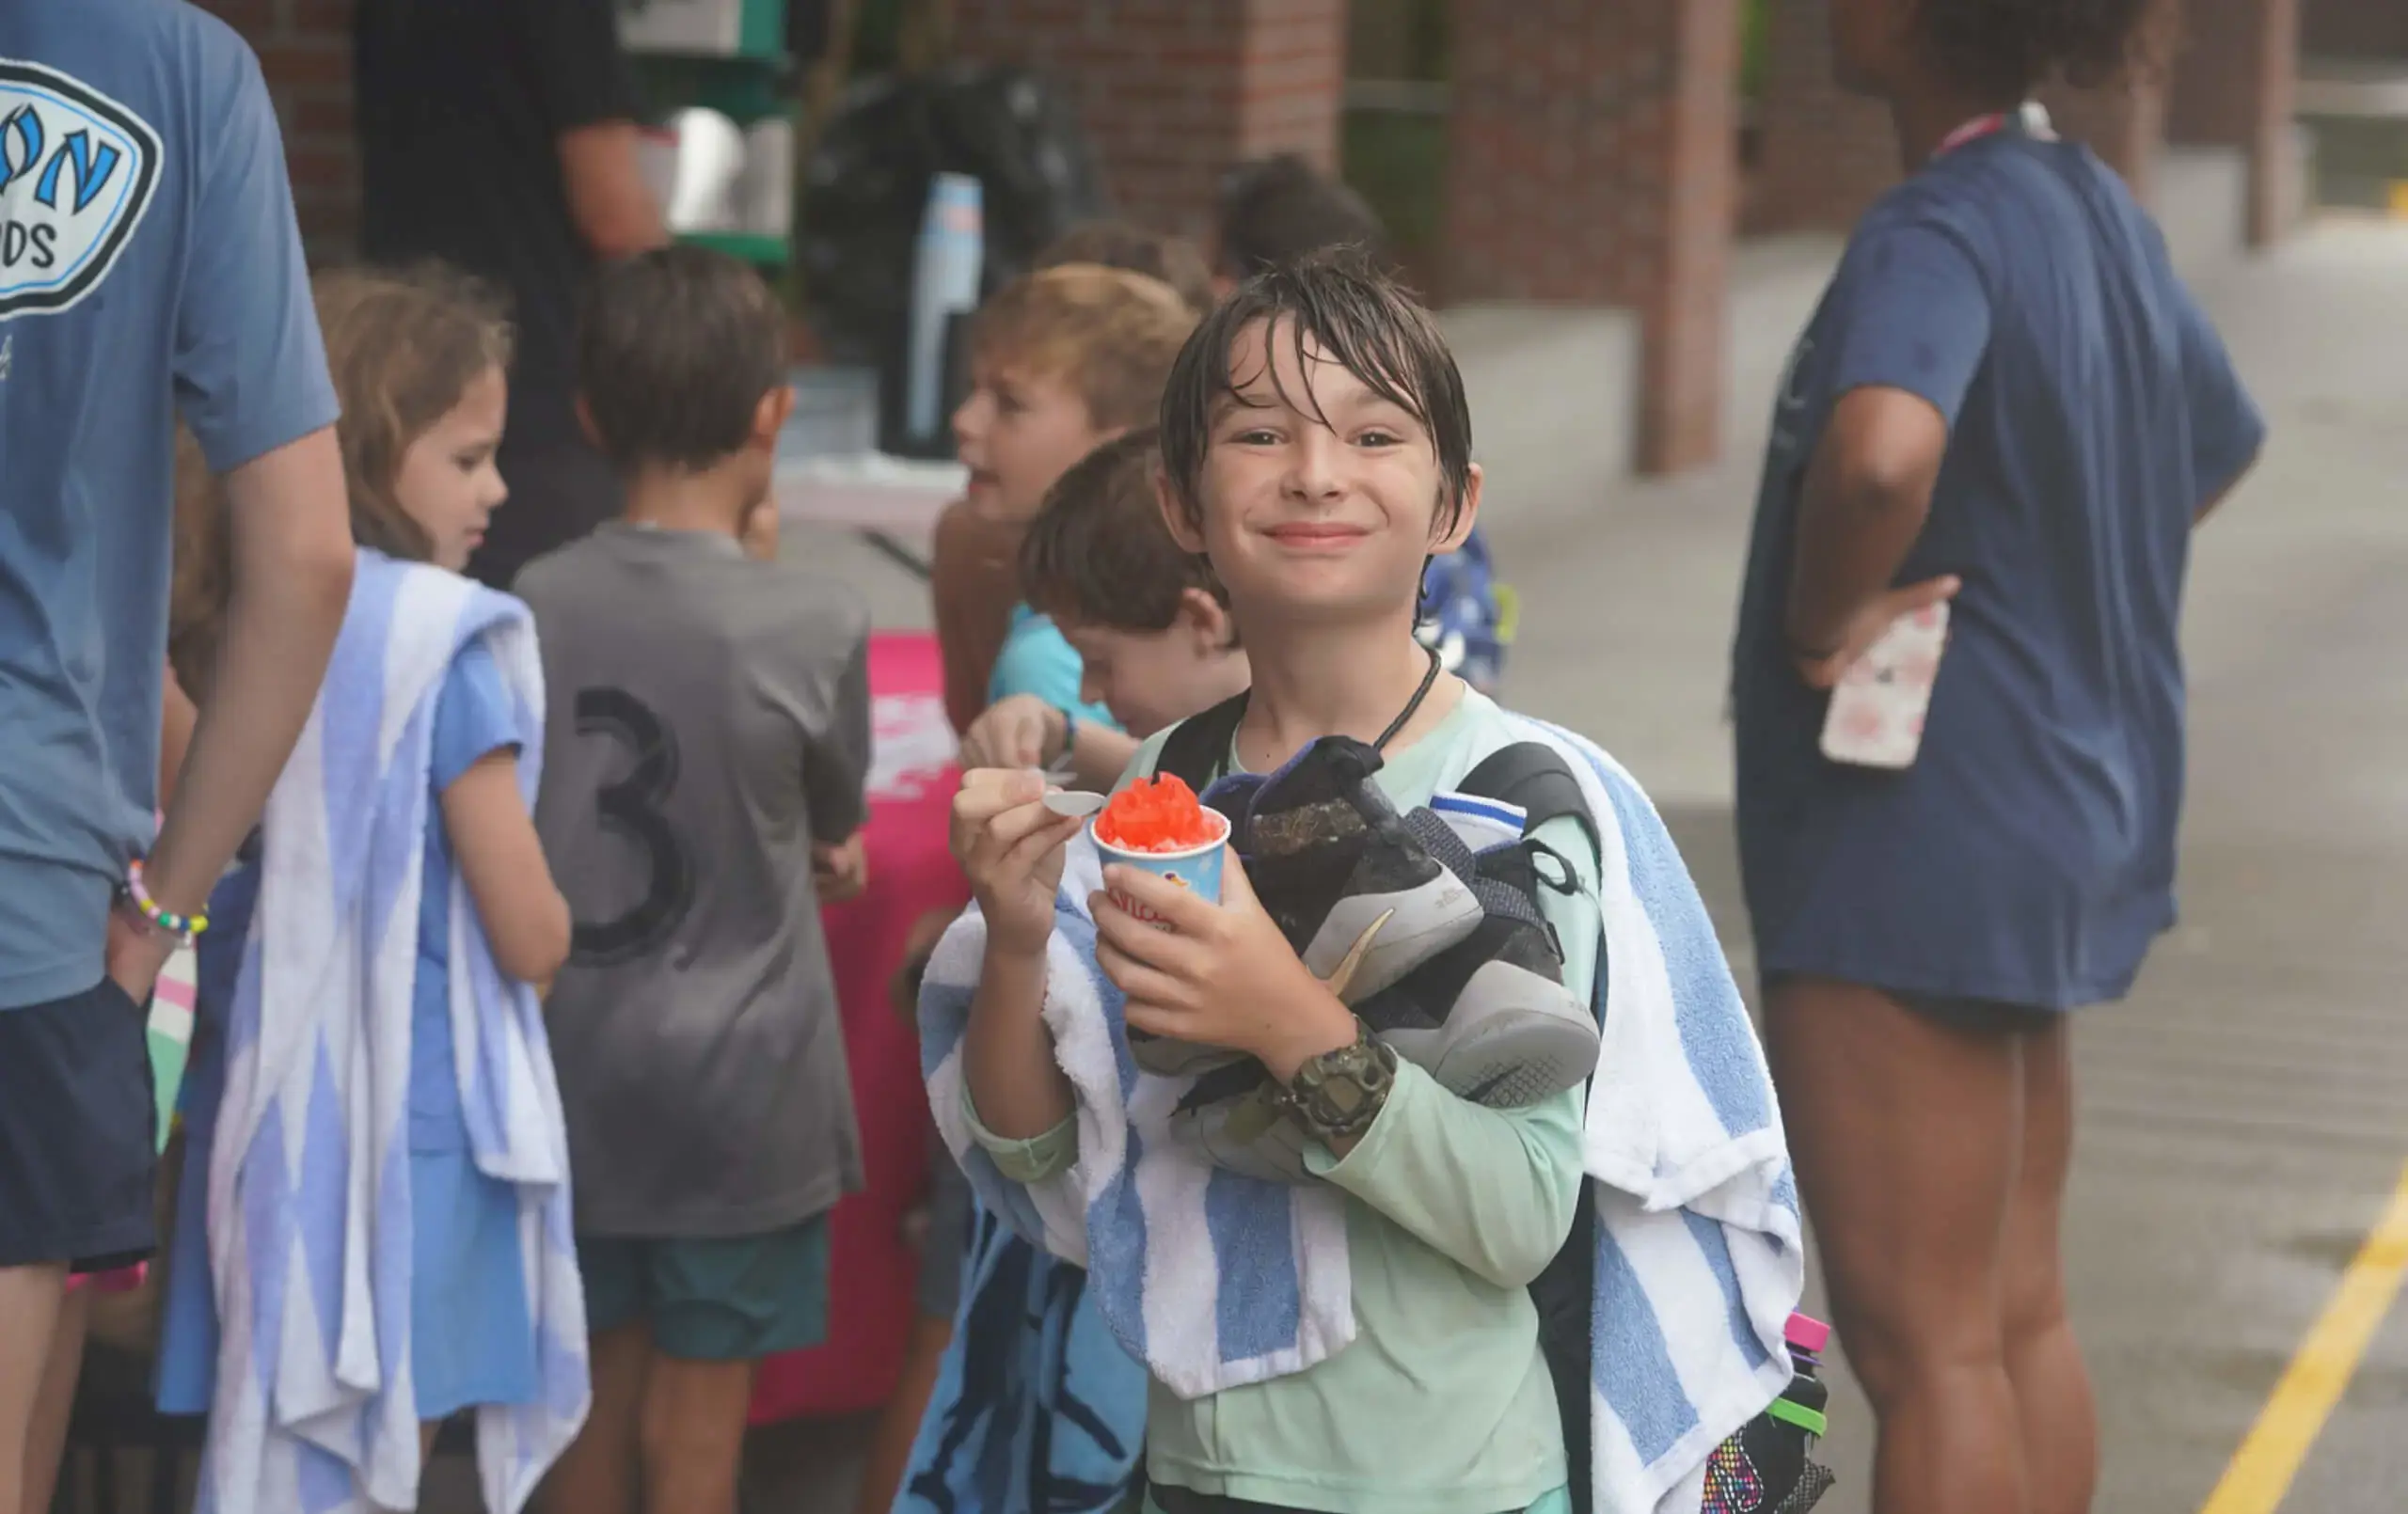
x=2013, y=45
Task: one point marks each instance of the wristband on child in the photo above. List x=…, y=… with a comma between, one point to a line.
x=1069, y=731
x=182, y=927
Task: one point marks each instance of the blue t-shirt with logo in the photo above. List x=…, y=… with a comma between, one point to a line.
x=150, y=266
x=2027, y=857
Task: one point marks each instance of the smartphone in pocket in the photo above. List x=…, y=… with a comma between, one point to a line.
x=1877, y=708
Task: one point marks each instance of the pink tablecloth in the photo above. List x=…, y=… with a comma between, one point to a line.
x=872, y=1272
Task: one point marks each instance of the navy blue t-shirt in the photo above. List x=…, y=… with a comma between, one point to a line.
x=2027, y=857
x=150, y=269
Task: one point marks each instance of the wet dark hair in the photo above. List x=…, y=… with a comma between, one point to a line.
x=2009, y=46
x=1100, y=553
x=1279, y=209
x=1360, y=319
x=1174, y=259
x=674, y=350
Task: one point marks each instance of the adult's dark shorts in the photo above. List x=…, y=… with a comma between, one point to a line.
x=78, y=1132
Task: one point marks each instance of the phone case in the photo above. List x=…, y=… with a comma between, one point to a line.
x=1877, y=712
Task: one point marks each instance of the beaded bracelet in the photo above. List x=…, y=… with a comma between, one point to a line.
x=182, y=927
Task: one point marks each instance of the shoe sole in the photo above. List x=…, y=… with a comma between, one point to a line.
x=1421, y=923
x=1507, y=1058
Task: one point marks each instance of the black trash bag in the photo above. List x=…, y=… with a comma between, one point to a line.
x=867, y=189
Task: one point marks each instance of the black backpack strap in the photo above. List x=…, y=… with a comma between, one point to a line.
x=1534, y=777
x=1565, y=1297
x=1199, y=746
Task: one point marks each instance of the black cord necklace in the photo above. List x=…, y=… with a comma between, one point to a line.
x=1412, y=706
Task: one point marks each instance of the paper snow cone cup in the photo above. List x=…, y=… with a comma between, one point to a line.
x=1198, y=869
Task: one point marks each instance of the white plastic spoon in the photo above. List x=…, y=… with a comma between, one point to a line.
x=1076, y=804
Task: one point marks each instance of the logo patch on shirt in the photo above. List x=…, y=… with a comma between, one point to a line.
x=77, y=170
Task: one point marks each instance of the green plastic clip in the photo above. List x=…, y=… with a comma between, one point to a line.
x=1813, y=1422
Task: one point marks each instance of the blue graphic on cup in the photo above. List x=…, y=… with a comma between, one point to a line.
x=1196, y=869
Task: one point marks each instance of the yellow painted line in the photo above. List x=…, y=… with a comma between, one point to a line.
x=2261, y=1470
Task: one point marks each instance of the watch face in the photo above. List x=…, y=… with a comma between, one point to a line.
x=1338, y=1094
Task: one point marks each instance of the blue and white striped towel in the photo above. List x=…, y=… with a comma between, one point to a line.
x=1214, y=1279
x=310, y=1218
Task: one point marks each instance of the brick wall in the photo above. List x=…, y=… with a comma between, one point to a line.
x=1173, y=92
x=1592, y=158
x=305, y=51
x=1826, y=153
x=2124, y=124
x=2355, y=28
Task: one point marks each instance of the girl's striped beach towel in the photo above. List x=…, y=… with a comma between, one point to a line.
x=309, y=1210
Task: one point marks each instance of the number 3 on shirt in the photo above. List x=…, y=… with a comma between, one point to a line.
x=631, y=808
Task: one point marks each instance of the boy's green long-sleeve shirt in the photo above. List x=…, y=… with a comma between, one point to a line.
x=1442, y=1404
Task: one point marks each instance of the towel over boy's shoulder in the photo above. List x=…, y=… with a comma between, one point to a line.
x=1698, y=1247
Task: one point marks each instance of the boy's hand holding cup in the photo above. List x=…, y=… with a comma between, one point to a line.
x=1204, y=966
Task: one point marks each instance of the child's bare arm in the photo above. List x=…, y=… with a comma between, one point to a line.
x=1024, y=731
x=925, y=931
x=291, y=579
x=175, y=737
x=525, y=917
x=971, y=587
x=840, y=870
x=835, y=760
x=1011, y=846
x=1018, y=1089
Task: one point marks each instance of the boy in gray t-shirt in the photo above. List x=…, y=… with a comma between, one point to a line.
x=707, y=743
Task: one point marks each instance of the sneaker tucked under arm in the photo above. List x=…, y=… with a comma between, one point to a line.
x=1503, y=1017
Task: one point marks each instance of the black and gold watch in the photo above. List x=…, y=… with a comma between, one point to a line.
x=1336, y=1095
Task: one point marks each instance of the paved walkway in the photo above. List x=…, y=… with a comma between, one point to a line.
x=2245, y=1117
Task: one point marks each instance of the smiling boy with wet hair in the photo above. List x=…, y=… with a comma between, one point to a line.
x=1317, y=451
